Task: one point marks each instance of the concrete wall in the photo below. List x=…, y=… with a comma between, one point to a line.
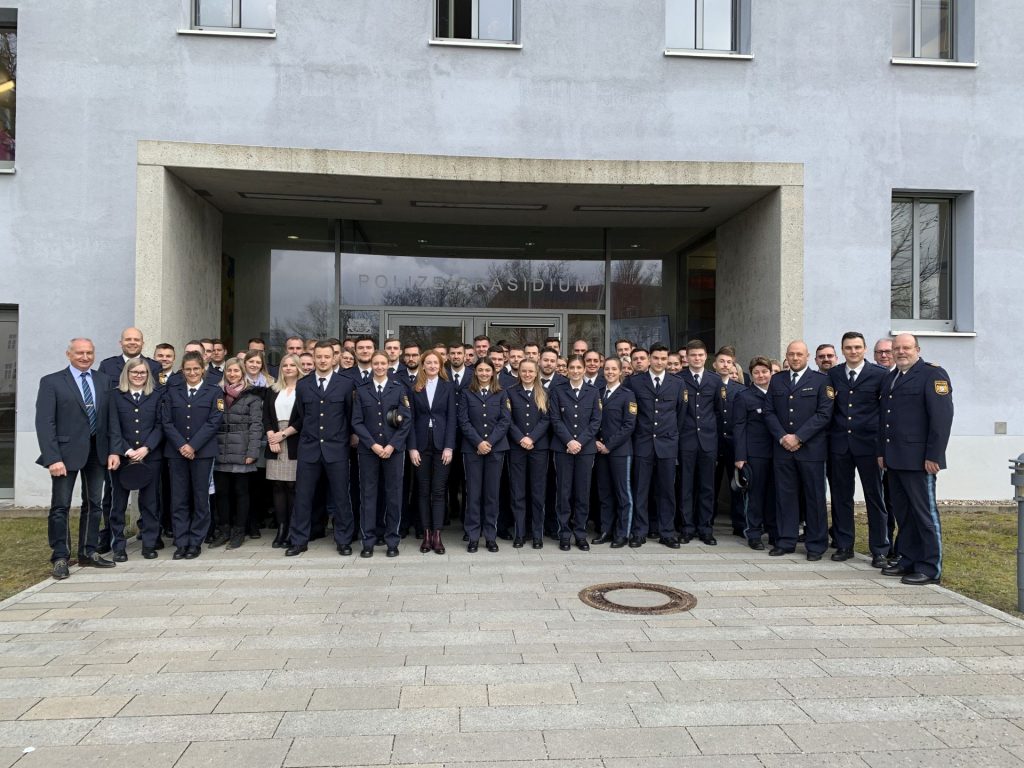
x=590, y=82
x=761, y=275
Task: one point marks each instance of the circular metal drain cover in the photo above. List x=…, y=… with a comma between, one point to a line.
x=597, y=597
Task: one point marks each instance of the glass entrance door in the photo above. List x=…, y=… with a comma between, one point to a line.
x=428, y=329
x=528, y=329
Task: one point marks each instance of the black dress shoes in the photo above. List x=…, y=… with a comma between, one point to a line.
x=296, y=549
x=60, y=569
x=492, y=546
x=149, y=553
x=159, y=544
x=367, y=552
x=879, y=561
x=517, y=542
x=604, y=538
x=94, y=561
x=669, y=542
x=120, y=557
x=564, y=546
x=918, y=579
x=179, y=553
x=103, y=548
x=472, y=546
x=896, y=570
x=687, y=538
x=191, y=553
x=343, y=549
x=637, y=541
x=842, y=554
x=756, y=544
x=538, y=543
x=814, y=556
x=392, y=552
x=709, y=540
x=618, y=543
x=582, y=545
x=778, y=551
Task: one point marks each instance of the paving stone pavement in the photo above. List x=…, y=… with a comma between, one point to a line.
x=248, y=658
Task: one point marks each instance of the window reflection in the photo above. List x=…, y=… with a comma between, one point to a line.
x=902, y=260
x=8, y=85
x=476, y=19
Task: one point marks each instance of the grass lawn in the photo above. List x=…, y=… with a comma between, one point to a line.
x=24, y=554
x=979, y=554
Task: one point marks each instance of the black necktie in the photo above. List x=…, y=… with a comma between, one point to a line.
x=607, y=394
x=657, y=383
x=529, y=394
x=191, y=393
x=366, y=375
x=853, y=376
x=696, y=380
x=793, y=380
x=457, y=377
x=483, y=392
x=380, y=391
x=545, y=382
x=322, y=388
x=576, y=392
x=137, y=397
x=391, y=371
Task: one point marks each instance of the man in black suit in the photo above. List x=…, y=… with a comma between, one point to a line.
x=77, y=432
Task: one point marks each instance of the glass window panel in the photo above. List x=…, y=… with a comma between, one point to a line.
x=903, y=28
x=936, y=29
x=301, y=295
x=517, y=334
x=8, y=392
x=589, y=327
x=496, y=20
x=444, y=18
x=718, y=25
x=934, y=254
x=902, y=260
x=258, y=14
x=213, y=13
x=680, y=24
x=8, y=78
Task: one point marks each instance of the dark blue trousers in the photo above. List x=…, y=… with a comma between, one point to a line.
x=792, y=476
x=651, y=471
x=528, y=483
x=483, y=479
x=616, y=497
x=697, y=498
x=59, y=521
x=149, y=508
x=190, y=499
x=913, y=501
x=572, y=478
x=843, y=466
x=381, y=478
x=307, y=474
x=760, y=501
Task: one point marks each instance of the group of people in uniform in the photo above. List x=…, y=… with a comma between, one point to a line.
x=381, y=442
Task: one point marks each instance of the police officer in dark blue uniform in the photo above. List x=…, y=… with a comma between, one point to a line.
x=575, y=421
x=529, y=441
x=660, y=399
x=381, y=418
x=615, y=456
x=698, y=448
x=460, y=375
x=193, y=409
x=853, y=448
x=322, y=417
x=484, y=420
x=755, y=447
x=916, y=419
x=725, y=365
x=798, y=412
x=139, y=414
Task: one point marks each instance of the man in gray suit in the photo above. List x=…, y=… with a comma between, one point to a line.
x=78, y=432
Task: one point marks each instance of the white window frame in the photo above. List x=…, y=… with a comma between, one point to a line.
x=741, y=13
x=190, y=11
x=475, y=42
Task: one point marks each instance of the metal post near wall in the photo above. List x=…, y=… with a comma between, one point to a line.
x=1017, y=478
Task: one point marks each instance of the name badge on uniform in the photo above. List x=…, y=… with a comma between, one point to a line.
x=220, y=403
x=632, y=408
x=807, y=389
x=941, y=387
x=831, y=393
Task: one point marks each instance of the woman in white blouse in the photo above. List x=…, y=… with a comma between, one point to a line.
x=282, y=443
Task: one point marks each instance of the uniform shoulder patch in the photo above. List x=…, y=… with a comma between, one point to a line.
x=405, y=400
x=941, y=387
x=831, y=393
x=220, y=403
x=632, y=408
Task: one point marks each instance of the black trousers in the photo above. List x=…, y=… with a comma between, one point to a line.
x=61, y=492
x=149, y=509
x=615, y=495
x=376, y=476
x=659, y=475
x=759, y=504
x=190, y=499
x=307, y=475
x=697, y=495
x=724, y=466
x=913, y=501
x=572, y=476
x=528, y=487
x=842, y=467
x=232, y=501
x=483, y=478
x=432, y=487
x=792, y=477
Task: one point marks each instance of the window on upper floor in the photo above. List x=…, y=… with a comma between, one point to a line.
x=484, y=21
x=931, y=261
x=8, y=84
x=234, y=15
x=707, y=27
x=933, y=31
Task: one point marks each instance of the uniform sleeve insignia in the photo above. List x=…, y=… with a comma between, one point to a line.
x=405, y=400
x=723, y=393
x=941, y=387
x=220, y=403
x=831, y=393
x=686, y=395
x=632, y=408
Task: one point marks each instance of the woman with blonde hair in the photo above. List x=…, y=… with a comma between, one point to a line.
x=282, y=443
x=529, y=441
x=255, y=369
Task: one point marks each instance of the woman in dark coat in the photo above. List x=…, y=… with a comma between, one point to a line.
x=238, y=447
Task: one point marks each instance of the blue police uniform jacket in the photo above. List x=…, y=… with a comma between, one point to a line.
x=465, y=377
x=618, y=420
x=751, y=437
x=112, y=367
x=506, y=379
x=140, y=422
x=700, y=419
x=804, y=411
x=575, y=418
x=854, y=427
x=527, y=419
x=916, y=417
x=194, y=421
x=659, y=417
x=726, y=411
x=443, y=413
x=484, y=418
x=355, y=375
x=323, y=421
x=370, y=415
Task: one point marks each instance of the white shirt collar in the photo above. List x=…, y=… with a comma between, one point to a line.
x=661, y=376
x=799, y=375
x=856, y=370
x=325, y=376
